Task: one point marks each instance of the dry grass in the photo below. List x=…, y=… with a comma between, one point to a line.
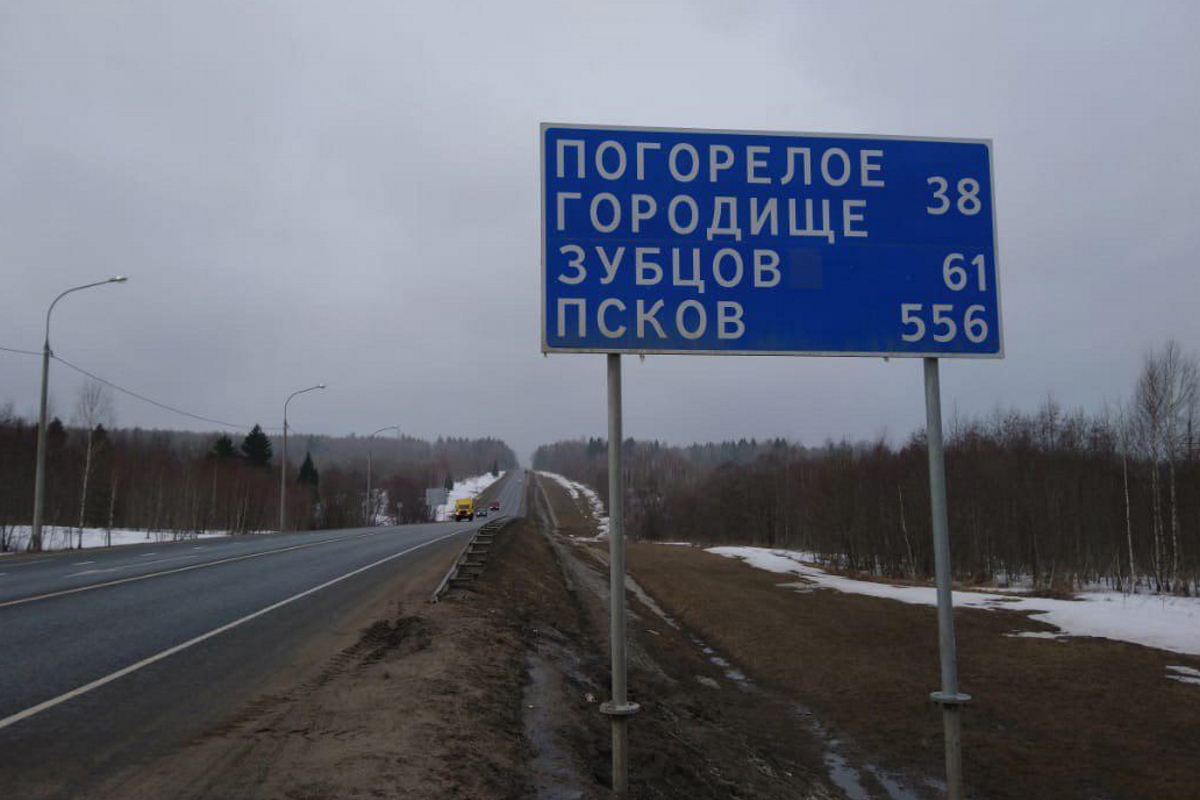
x=1074, y=719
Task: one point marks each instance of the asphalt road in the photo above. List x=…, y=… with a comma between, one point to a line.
x=111, y=657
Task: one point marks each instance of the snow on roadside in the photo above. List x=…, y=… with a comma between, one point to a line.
x=577, y=490
x=467, y=488
x=1160, y=621
x=1184, y=675
x=60, y=538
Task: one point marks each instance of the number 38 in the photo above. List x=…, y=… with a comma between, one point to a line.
x=968, y=196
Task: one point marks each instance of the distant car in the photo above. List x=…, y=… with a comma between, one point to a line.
x=495, y=506
x=481, y=512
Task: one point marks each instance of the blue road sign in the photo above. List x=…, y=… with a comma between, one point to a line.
x=727, y=242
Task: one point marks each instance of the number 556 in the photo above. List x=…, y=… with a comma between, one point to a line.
x=974, y=326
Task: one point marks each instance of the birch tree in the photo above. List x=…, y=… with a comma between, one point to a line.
x=93, y=409
x=1163, y=406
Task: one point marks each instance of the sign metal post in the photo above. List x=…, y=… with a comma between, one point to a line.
x=619, y=709
x=949, y=698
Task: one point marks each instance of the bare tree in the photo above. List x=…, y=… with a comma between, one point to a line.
x=1179, y=371
x=93, y=409
x=1163, y=406
x=1125, y=424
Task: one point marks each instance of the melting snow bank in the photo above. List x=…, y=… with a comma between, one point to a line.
x=578, y=490
x=1160, y=621
x=1184, y=675
x=60, y=538
x=465, y=489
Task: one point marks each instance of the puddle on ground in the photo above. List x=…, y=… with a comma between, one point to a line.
x=841, y=772
x=844, y=776
x=890, y=783
x=848, y=777
x=554, y=772
x=730, y=672
x=649, y=602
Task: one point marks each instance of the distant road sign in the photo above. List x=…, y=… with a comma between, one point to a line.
x=727, y=242
x=435, y=497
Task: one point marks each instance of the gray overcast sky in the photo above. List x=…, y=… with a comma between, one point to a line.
x=348, y=192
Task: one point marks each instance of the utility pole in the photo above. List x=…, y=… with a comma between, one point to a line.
x=39, y=480
x=283, y=461
x=368, y=506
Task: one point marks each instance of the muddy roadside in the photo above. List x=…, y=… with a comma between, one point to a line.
x=701, y=733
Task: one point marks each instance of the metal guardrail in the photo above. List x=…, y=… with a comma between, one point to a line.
x=471, y=561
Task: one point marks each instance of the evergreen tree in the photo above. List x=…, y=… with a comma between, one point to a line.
x=256, y=447
x=308, y=473
x=223, y=448
x=56, y=434
x=449, y=482
x=495, y=469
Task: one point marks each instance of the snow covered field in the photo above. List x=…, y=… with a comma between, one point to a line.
x=1162, y=621
x=57, y=538
x=464, y=489
x=577, y=490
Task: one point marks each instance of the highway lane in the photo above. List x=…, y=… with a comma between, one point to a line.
x=34, y=577
x=26, y=577
x=117, y=671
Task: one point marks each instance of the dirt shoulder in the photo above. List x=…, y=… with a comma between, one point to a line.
x=420, y=703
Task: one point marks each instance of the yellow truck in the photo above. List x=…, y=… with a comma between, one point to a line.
x=464, y=509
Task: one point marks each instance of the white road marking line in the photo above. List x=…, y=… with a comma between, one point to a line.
x=170, y=651
x=188, y=568
x=82, y=563
x=127, y=566
x=143, y=555
x=27, y=563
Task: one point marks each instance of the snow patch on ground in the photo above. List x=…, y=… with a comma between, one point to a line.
x=1184, y=674
x=1056, y=635
x=379, y=515
x=1160, y=621
x=578, y=490
x=60, y=538
x=467, y=488
x=649, y=602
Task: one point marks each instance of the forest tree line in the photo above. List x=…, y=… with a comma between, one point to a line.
x=102, y=476
x=1064, y=499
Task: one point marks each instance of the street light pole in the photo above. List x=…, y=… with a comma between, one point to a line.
x=283, y=462
x=368, y=506
x=39, y=480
